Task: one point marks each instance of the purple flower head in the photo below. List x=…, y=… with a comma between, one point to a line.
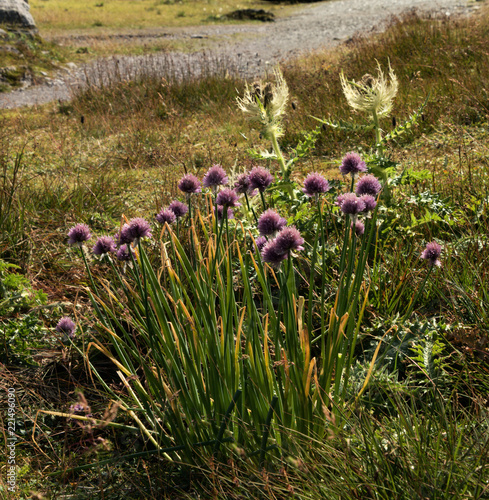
x=350, y=203
x=339, y=199
x=228, y=198
x=289, y=239
x=215, y=176
x=79, y=234
x=220, y=213
x=260, y=178
x=272, y=254
x=359, y=227
x=189, y=184
x=124, y=236
x=77, y=407
x=139, y=228
x=166, y=215
x=65, y=325
x=124, y=253
x=260, y=242
x=352, y=164
x=369, y=201
x=315, y=184
x=432, y=254
x=242, y=185
x=104, y=245
x=270, y=222
x=368, y=184
x=178, y=208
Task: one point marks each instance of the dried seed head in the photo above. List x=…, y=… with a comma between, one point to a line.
x=371, y=95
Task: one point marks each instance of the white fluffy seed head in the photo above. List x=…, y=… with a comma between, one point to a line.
x=265, y=102
x=371, y=95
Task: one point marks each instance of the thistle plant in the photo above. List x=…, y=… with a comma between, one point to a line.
x=265, y=103
x=373, y=96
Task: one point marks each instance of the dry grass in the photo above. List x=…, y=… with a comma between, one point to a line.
x=153, y=129
x=59, y=17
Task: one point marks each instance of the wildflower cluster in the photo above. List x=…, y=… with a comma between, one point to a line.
x=364, y=199
x=120, y=245
x=221, y=319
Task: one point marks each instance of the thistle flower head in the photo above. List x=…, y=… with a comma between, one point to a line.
x=270, y=222
x=432, y=254
x=228, y=198
x=352, y=163
x=178, y=208
x=78, y=234
x=368, y=184
x=266, y=103
x=215, y=176
x=67, y=326
x=260, y=178
x=104, y=245
x=166, y=216
x=189, y=184
x=315, y=184
x=371, y=95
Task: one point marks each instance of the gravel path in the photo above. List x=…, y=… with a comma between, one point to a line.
x=248, y=49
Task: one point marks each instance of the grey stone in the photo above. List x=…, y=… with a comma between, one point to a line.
x=16, y=13
x=12, y=50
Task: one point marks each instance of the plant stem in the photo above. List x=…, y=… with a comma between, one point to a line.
x=378, y=134
x=283, y=167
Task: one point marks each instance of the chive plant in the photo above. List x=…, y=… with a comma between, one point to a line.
x=225, y=340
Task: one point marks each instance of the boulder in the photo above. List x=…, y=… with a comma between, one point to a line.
x=16, y=14
x=251, y=15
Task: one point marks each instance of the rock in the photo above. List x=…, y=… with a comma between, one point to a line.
x=251, y=14
x=16, y=76
x=16, y=13
x=11, y=49
x=293, y=1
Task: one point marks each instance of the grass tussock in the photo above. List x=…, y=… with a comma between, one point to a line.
x=412, y=420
